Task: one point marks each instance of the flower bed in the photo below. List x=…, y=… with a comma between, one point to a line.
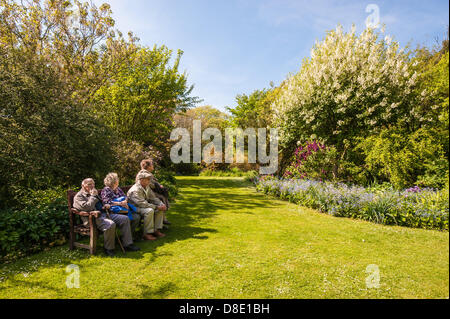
x=414, y=207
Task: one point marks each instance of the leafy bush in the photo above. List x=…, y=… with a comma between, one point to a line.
x=406, y=159
x=414, y=207
x=141, y=98
x=313, y=160
x=128, y=156
x=167, y=179
x=46, y=137
x=190, y=169
x=42, y=221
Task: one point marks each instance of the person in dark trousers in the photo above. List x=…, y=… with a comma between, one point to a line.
x=88, y=200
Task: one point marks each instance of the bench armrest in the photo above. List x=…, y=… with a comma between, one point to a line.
x=85, y=214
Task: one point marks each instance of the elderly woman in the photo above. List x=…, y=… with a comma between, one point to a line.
x=113, y=195
x=87, y=200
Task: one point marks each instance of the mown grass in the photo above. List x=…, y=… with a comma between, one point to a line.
x=228, y=241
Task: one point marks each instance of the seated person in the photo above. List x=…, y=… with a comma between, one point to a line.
x=113, y=195
x=87, y=200
x=161, y=192
x=148, y=206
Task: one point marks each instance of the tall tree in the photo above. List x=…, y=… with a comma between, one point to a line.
x=77, y=39
x=351, y=86
x=139, y=101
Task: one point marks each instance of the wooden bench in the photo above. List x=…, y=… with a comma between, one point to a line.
x=78, y=228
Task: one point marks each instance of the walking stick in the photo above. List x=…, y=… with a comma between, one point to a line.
x=117, y=236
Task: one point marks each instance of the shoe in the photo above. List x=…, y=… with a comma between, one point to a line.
x=166, y=222
x=132, y=248
x=110, y=252
x=159, y=234
x=149, y=237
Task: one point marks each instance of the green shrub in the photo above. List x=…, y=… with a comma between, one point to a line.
x=42, y=221
x=167, y=179
x=313, y=160
x=406, y=159
x=46, y=137
x=187, y=169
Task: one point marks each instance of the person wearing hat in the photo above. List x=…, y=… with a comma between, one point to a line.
x=148, y=206
x=160, y=191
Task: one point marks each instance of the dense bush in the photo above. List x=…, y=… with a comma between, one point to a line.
x=381, y=110
x=313, y=160
x=406, y=159
x=77, y=99
x=414, y=207
x=190, y=169
x=46, y=138
x=167, y=179
x=128, y=156
x=41, y=221
x=253, y=110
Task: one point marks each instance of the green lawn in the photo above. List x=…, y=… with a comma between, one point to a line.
x=228, y=241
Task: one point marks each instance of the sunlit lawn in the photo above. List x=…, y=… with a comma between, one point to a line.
x=228, y=241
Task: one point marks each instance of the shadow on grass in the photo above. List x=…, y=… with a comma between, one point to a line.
x=199, y=200
x=35, y=284
x=157, y=293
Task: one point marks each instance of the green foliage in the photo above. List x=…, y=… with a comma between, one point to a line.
x=253, y=110
x=55, y=129
x=351, y=86
x=209, y=117
x=76, y=39
x=434, y=86
x=128, y=156
x=139, y=101
x=42, y=221
x=46, y=137
x=383, y=110
x=415, y=207
x=167, y=179
x=51, y=62
x=314, y=160
x=406, y=160
x=188, y=169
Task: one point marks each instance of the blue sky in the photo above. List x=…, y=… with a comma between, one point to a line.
x=236, y=46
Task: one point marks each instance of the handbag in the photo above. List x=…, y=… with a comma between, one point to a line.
x=117, y=209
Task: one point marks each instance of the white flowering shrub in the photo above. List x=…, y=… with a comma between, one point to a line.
x=350, y=86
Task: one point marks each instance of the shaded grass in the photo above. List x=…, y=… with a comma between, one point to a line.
x=228, y=241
